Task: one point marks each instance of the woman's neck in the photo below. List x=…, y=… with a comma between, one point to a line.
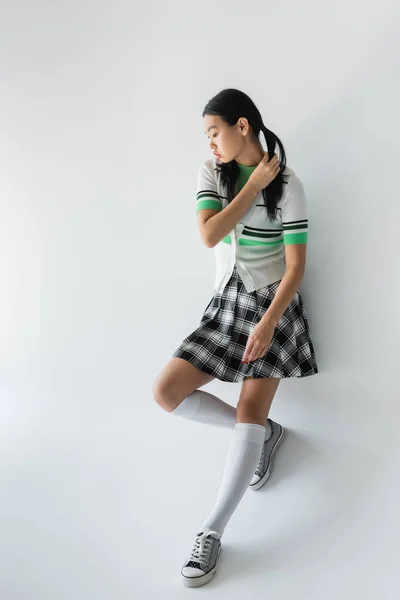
x=251, y=156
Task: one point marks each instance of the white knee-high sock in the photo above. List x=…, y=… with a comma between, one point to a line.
x=248, y=440
x=206, y=408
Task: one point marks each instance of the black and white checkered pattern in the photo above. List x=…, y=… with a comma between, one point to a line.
x=218, y=344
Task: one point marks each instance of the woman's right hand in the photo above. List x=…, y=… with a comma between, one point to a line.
x=265, y=172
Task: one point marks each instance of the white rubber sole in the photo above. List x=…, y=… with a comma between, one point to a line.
x=203, y=579
x=259, y=484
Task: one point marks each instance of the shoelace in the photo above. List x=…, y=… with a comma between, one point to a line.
x=202, y=546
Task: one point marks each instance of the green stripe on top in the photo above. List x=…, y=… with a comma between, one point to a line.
x=208, y=204
x=295, y=238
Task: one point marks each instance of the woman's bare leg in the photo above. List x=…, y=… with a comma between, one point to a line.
x=177, y=380
x=255, y=400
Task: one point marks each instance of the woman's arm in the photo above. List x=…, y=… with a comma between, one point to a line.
x=261, y=336
x=295, y=228
x=215, y=225
x=295, y=233
x=295, y=266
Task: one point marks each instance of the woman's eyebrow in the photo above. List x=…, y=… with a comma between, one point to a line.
x=211, y=127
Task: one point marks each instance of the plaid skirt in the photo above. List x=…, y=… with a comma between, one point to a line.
x=217, y=346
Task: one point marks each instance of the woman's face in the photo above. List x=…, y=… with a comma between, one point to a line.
x=226, y=141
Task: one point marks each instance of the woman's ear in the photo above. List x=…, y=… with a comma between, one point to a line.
x=243, y=125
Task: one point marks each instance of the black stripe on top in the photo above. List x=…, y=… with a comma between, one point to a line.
x=294, y=222
x=257, y=234
x=209, y=193
x=263, y=230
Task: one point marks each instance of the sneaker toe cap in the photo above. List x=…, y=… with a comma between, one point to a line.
x=255, y=479
x=192, y=572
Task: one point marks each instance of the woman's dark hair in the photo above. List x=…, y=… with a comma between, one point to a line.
x=230, y=105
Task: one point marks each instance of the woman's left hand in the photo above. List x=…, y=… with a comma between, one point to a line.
x=259, y=341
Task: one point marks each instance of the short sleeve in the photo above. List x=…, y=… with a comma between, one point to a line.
x=294, y=212
x=207, y=195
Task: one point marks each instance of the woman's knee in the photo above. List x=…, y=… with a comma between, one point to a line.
x=165, y=393
x=177, y=380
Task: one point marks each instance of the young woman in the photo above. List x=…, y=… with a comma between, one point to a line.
x=251, y=208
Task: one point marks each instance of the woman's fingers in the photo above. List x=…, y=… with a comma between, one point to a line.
x=247, y=352
x=256, y=353
x=272, y=161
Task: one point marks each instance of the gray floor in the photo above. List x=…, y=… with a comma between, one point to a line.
x=96, y=503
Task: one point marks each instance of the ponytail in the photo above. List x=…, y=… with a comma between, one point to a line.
x=273, y=193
